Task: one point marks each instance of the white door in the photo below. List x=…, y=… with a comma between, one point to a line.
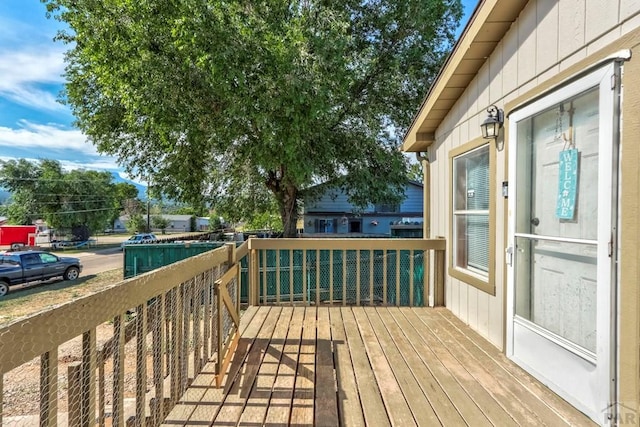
x=560, y=310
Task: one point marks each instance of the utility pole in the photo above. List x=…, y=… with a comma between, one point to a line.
x=148, y=209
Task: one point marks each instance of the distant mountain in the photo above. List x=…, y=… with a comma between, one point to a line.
x=142, y=189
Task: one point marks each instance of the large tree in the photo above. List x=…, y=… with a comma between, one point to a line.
x=64, y=199
x=222, y=99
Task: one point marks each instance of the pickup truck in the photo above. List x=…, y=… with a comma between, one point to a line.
x=29, y=266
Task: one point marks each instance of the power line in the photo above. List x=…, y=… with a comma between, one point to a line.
x=71, y=212
x=73, y=202
x=9, y=179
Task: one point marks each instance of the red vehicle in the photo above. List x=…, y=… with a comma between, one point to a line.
x=17, y=235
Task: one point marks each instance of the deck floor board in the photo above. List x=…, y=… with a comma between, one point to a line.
x=357, y=366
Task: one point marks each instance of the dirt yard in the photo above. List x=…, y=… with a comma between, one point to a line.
x=22, y=385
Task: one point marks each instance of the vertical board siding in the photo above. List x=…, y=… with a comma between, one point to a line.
x=547, y=35
x=546, y=38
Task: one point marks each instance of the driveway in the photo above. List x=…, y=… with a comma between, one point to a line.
x=99, y=261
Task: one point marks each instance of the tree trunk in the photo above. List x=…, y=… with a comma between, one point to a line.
x=288, y=203
x=286, y=195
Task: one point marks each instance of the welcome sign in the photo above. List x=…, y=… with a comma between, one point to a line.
x=567, y=184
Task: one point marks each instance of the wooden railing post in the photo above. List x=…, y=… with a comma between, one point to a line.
x=159, y=349
x=219, y=327
x=426, y=278
x=74, y=397
x=254, y=274
x=89, y=377
x=101, y=390
x=233, y=260
x=49, y=388
x=231, y=248
x=438, y=278
x=118, y=371
x=141, y=364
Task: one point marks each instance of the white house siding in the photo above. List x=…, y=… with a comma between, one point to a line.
x=548, y=37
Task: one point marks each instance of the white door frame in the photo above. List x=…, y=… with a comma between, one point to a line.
x=605, y=356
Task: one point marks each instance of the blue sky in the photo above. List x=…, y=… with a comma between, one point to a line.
x=33, y=124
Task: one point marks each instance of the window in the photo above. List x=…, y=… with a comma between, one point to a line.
x=387, y=208
x=31, y=259
x=472, y=240
x=10, y=259
x=48, y=258
x=325, y=225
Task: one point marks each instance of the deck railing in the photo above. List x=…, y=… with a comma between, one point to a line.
x=345, y=271
x=124, y=355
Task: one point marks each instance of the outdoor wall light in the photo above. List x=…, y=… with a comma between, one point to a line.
x=492, y=124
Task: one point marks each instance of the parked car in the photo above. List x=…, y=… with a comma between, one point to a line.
x=140, y=239
x=28, y=266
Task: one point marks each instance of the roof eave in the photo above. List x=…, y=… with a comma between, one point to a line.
x=489, y=22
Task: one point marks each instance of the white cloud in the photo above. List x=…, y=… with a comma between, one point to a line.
x=128, y=177
x=101, y=164
x=23, y=72
x=50, y=137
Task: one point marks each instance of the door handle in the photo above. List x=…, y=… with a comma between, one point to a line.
x=535, y=221
x=508, y=255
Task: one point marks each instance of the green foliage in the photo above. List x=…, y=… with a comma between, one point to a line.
x=64, y=199
x=159, y=222
x=215, y=222
x=220, y=101
x=189, y=210
x=192, y=224
x=125, y=200
x=415, y=172
x=265, y=221
x=136, y=223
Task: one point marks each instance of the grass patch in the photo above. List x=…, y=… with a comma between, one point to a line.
x=82, y=250
x=39, y=296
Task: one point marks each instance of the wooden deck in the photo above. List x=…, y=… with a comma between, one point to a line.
x=356, y=366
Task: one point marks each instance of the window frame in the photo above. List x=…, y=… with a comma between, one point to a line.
x=386, y=208
x=485, y=283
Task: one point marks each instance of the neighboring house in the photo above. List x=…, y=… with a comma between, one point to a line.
x=183, y=222
x=542, y=224
x=332, y=214
x=177, y=223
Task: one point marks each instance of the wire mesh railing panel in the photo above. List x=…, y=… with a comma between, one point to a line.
x=348, y=276
x=123, y=355
x=227, y=320
x=377, y=279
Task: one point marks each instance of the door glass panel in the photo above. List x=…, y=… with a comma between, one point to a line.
x=556, y=280
x=558, y=291
x=542, y=138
